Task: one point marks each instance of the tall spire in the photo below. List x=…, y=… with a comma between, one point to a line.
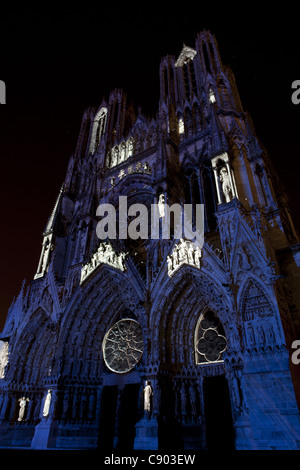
x=52, y=219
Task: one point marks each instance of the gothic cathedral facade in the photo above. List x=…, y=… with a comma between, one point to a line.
x=152, y=343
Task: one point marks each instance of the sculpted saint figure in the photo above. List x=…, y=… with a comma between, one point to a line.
x=47, y=403
x=161, y=205
x=22, y=402
x=147, y=398
x=226, y=185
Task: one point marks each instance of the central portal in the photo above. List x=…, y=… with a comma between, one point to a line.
x=119, y=414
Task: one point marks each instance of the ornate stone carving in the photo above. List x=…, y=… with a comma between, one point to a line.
x=22, y=404
x=148, y=397
x=255, y=303
x=224, y=178
x=123, y=346
x=260, y=330
x=186, y=55
x=47, y=403
x=121, y=152
x=184, y=252
x=4, y=352
x=210, y=340
x=105, y=254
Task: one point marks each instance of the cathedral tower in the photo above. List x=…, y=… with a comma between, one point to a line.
x=141, y=342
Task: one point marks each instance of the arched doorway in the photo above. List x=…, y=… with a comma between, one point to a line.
x=219, y=432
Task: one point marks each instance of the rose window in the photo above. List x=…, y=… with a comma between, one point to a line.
x=210, y=339
x=123, y=346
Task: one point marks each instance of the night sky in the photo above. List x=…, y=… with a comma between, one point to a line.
x=56, y=63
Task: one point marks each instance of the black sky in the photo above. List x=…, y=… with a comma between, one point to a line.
x=58, y=62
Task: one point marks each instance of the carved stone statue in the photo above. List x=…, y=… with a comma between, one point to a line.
x=122, y=151
x=3, y=357
x=197, y=256
x=175, y=257
x=182, y=251
x=226, y=184
x=147, y=398
x=130, y=144
x=22, y=403
x=190, y=253
x=161, y=205
x=170, y=264
x=47, y=403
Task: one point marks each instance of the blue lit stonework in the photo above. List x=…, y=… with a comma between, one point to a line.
x=115, y=344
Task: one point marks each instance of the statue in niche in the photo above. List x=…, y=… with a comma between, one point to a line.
x=47, y=403
x=115, y=153
x=129, y=148
x=22, y=403
x=226, y=184
x=122, y=151
x=148, y=393
x=46, y=248
x=161, y=205
x=3, y=358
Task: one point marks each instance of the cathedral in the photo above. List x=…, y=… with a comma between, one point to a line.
x=126, y=342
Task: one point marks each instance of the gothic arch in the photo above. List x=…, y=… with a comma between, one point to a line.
x=95, y=307
x=176, y=314
x=258, y=315
x=35, y=342
x=209, y=339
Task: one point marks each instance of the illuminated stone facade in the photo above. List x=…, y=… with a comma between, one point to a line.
x=210, y=332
